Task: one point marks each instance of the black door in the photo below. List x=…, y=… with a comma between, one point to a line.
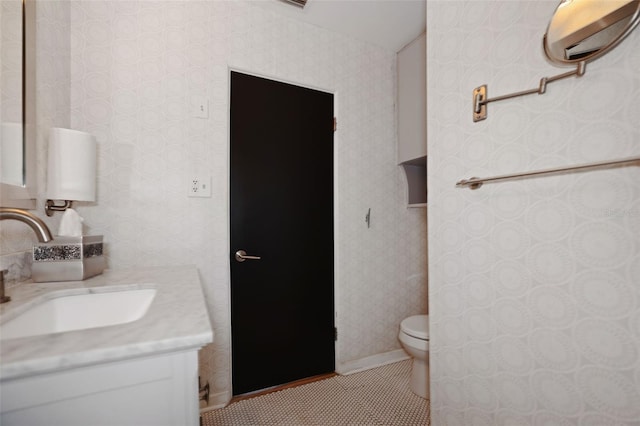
x=281, y=209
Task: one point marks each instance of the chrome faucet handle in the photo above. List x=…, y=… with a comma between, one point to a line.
x=3, y=298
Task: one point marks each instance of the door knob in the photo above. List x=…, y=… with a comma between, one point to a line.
x=241, y=256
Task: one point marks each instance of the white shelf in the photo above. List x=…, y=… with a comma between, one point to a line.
x=416, y=172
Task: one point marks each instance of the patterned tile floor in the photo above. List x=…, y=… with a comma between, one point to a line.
x=379, y=396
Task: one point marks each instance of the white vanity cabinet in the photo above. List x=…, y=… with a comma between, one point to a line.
x=412, y=118
x=155, y=390
x=138, y=373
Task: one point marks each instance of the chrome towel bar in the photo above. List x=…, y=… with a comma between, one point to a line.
x=475, y=182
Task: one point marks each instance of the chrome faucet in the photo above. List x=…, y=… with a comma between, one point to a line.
x=38, y=226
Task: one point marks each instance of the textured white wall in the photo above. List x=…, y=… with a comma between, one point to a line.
x=534, y=285
x=135, y=67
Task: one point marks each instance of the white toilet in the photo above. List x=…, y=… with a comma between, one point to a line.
x=414, y=336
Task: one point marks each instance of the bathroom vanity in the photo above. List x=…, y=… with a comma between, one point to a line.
x=140, y=372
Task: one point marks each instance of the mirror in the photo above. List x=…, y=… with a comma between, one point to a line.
x=582, y=30
x=11, y=140
x=17, y=153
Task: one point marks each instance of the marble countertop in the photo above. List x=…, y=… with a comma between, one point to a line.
x=176, y=320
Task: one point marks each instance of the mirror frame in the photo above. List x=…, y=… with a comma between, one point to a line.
x=635, y=19
x=25, y=196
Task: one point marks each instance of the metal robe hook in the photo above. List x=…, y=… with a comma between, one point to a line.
x=367, y=218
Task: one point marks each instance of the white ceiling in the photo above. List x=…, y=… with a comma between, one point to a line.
x=391, y=24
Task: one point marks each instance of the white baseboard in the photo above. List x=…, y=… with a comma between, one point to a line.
x=217, y=400
x=372, y=361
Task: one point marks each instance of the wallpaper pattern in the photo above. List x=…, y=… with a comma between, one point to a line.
x=138, y=68
x=534, y=284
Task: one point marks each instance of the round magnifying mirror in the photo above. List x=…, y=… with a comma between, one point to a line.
x=582, y=30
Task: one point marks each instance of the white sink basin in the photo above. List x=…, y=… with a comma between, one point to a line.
x=79, y=312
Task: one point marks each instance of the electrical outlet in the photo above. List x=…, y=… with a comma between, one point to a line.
x=200, y=186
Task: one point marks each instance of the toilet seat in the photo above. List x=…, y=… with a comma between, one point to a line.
x=416, y=326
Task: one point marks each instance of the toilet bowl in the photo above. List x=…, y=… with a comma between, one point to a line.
x=414, y=336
